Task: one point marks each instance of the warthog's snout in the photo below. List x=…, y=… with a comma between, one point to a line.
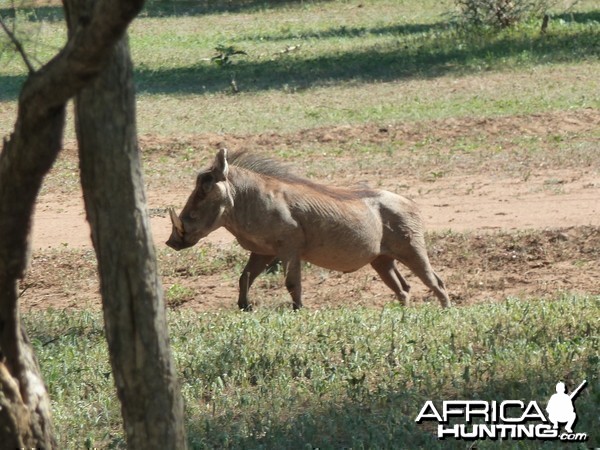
x=177, y=243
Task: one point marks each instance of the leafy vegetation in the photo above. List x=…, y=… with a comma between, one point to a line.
x=336, y=378
x=500, y=13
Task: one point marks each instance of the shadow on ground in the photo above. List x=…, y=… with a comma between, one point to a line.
x=433, y=50
x=387, y=419
x=164, y=8
x=436, y=54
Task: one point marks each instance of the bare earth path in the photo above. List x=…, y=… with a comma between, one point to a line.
x=470, y=202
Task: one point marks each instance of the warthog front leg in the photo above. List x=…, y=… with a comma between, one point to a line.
x=293, y=280
x=254, y=267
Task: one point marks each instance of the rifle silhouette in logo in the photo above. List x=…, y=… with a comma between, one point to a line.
x=560, y=406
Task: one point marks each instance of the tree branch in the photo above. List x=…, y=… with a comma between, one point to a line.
x=83, y=57
x=18, y=46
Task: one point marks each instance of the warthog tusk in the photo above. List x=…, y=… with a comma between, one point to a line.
x=176, y=221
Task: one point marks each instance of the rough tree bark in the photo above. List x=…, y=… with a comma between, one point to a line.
x=26, y=157
x=132, y=295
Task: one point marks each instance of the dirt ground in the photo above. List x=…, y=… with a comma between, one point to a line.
x=529, y=227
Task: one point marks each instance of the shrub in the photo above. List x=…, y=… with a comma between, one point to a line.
x=499, y=13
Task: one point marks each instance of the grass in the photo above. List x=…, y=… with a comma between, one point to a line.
x=340, y=378
x=375, y=62
x=418, y=99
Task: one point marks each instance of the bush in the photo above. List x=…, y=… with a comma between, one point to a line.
x=499, y=13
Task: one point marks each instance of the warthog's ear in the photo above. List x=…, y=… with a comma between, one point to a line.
x=221, y=167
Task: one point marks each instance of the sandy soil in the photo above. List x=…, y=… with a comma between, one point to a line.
x=470, y=202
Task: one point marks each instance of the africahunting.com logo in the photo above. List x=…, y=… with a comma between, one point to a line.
x=508, y=419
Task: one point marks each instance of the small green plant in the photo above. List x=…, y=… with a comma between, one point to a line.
x=224, y=54
x=435, y=175
x=177, y=295
x=223, y=59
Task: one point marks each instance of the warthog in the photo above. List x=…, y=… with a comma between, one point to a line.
x=276, y=214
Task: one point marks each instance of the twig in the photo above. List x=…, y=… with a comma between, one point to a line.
x=23, y=291
x=545, y=23
x=18, y=46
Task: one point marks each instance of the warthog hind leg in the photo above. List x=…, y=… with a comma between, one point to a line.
x=419, y=264
x=254, y=267
x=391, y=276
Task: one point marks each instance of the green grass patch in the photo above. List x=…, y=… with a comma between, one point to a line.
x=335, y=378
x=366, y=54
x=327, y=63
x=331, y=43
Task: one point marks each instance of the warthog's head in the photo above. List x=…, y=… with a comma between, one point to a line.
x=203, y=213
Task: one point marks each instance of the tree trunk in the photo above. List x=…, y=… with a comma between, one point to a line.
x=27, y=155
x=25, y=420
x=132, y=295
